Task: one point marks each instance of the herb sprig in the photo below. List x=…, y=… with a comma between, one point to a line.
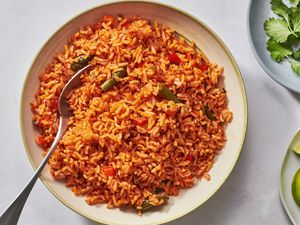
x=284, y=33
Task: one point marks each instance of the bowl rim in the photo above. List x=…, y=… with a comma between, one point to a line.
x=193, y=18
x=257, y=56
x=286, y=154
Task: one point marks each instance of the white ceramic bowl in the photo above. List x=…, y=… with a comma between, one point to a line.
x=211, y=45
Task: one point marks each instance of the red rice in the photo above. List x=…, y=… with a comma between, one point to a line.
x=170, y=152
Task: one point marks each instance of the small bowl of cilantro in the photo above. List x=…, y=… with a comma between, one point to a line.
x=274, y=28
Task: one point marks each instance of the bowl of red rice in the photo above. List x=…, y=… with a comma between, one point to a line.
x=158, y=122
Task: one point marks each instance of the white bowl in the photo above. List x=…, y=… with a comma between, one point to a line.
x=211, y=45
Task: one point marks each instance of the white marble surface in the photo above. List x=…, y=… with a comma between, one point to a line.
x=249, y=196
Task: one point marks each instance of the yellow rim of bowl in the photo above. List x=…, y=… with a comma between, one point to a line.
x=228, y=53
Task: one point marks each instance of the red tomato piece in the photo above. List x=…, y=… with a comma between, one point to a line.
x=174, y=58
x=41, y=141
x=203, y=67
x=109, y=170
x=140, y=120
x=189, y=157
x=54, y=104
x=107, y=19
x=171, y=113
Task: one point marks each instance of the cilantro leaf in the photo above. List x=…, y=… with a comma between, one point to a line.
x=278, y=51
x=295, y=2
x=295, y=66
x=284, y=32
x=292, y=40
x=296, y=20
x=296, y=54
x=281, y=9
x=277, y=29
x=295, y=9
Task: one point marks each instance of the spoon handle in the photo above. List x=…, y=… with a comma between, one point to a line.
x=11, y=215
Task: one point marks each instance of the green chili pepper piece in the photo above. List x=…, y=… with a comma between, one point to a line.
x=146, y=205
x=164, y=92
x=209, y=113
x=81, y=62
x=108, y=84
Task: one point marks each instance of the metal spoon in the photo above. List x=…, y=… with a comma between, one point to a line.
x=11, y=215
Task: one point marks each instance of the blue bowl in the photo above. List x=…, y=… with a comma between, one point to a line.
x=259, y=11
